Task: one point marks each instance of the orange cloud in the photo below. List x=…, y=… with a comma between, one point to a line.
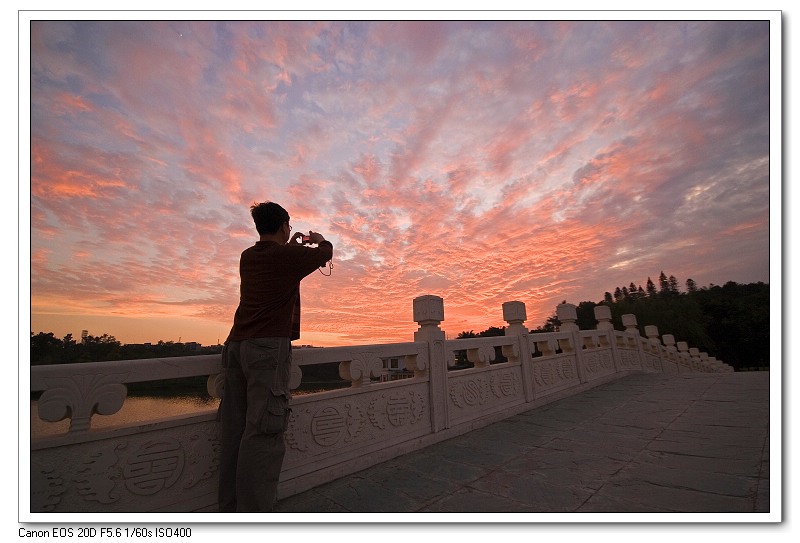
x=479, y=161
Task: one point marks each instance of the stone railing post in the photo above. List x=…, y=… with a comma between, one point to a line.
x=602, y=313
x=694, y=352
x=704, y=364
x=429, y=313
x=568, y=315
x=651, y=332
x=654, y=345
x=515, y=314
x=671, y=351
x=631, y=329
x=684, y=359
x=630, y=324
x=719, y=364
x=634, y=337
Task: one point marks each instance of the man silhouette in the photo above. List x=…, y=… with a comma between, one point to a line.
x=257, y=357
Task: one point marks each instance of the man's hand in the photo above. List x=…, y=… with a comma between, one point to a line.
x=314, y=237
x=311, y=239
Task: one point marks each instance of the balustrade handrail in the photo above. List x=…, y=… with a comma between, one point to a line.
x=480, y=351
x=338, y=431
x=129, y=371
x=327, y=355
x=152, y=369
x=177, y=367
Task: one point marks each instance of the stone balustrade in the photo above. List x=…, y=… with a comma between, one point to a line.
x=170, y=464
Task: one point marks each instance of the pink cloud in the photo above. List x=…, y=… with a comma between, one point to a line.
x=506, y=161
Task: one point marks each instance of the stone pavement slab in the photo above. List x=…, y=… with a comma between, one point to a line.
x=648, y=443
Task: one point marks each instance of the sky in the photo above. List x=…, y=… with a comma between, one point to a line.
x=479, y=161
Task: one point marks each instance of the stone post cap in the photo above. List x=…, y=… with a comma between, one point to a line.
x=683, y=346
x=566, y=312
x=694, y=351
x=514, y=312
x=651, y=331
x=629, y=320
x=669, y=339
x=704, y=356
x=602, y=312
x=428, y=308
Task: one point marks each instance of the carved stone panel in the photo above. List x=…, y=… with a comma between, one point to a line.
x=506, y=384
x=598, y=364
x=628, y=359
x=396, y=408
x=336, y=425
x=133, y=472
x=466, y=392
x=331, y=424
x=47, y=486
x=153, y=465
x=473, y=395
x=650, y=362
x=553, y=374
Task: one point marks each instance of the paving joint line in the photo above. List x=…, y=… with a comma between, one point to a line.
x=646, y=446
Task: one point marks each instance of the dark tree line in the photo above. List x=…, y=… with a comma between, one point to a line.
x=492, y=331
x=46, y=348
x=729, y=322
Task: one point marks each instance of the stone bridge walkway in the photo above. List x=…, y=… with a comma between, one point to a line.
x=645, y=443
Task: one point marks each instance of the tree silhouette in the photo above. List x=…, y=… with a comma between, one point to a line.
x=663, y=283
x=729, y=322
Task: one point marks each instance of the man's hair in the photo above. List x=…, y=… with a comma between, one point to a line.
x=269, y=217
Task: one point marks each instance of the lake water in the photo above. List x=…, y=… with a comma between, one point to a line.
x=135, y=410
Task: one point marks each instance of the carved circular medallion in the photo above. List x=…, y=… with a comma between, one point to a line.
x=398, y=409
x=508, y=384
x=155, y=465
x=328, y=426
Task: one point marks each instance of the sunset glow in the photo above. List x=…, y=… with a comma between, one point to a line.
x=479, y=161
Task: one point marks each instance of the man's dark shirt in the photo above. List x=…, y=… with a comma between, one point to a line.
x=269, y=303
